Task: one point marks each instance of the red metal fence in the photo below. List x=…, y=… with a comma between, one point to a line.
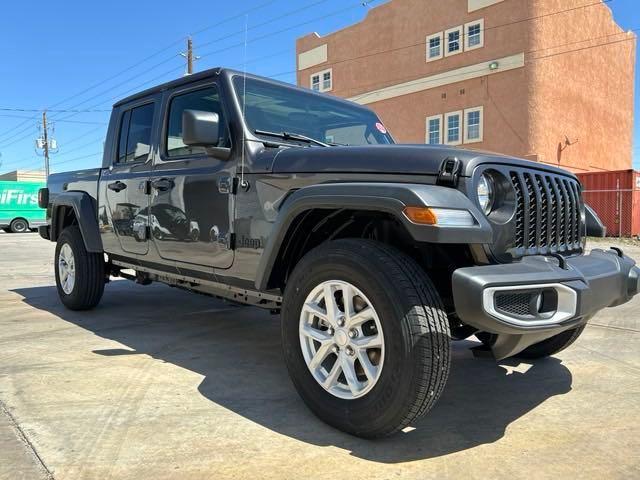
x=615, y=196
x=618, y=210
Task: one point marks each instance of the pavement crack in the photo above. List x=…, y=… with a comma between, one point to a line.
x=613, y=327
x=27, y=443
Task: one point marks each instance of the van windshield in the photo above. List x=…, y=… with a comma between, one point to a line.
x=279, y=109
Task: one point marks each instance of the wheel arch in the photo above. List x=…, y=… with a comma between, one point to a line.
x=76, y=208
x=313, y=215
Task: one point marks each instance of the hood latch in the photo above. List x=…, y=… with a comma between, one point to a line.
x=449, y=172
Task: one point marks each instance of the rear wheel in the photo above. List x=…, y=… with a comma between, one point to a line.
x=80, y=275
x=552, y=345
x=365, y=337
x=19, y=225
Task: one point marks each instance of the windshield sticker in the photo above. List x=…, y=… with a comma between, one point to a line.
x=381, y=128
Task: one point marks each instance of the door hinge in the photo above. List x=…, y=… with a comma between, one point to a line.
x=147, y=187
x=231, y=244
x=228, y=185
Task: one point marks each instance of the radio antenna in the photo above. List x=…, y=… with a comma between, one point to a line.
x=243, y=182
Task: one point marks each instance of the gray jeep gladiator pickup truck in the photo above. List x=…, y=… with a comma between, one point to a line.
x=376, y=255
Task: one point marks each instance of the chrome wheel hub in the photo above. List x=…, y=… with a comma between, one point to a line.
x=66, y=269
x=341, y=339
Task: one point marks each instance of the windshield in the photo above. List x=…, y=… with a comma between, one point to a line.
x=276, y=109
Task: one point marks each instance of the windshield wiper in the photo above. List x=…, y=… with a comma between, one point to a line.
x=292, y=136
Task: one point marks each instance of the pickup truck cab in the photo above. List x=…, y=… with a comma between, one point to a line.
x=376, y=255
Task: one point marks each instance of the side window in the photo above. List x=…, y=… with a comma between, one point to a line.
x=135, y=134
x=122, y=139
x=207, y=100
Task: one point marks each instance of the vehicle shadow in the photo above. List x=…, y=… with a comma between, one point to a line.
x=237, y=350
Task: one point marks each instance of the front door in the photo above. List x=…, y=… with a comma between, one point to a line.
x=126, y=181
x=191, y=206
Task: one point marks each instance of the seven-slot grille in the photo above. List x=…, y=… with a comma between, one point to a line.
x=547, y=215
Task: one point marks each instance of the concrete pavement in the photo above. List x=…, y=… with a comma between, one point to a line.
x=158, y=383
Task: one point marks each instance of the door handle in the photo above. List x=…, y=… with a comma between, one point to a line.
x=117, y=186
x=162, y=184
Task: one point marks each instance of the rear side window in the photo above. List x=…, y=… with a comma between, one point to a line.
x=134, y=143
x=206, y=100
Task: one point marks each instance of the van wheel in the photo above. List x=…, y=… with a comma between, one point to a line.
x=80, y=275
x=19, y=225
x=552, y=345
x=365, y=337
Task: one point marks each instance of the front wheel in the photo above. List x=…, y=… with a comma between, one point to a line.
x=80, y=275
x=365, y=337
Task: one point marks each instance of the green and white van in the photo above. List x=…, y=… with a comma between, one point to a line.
x=19, y=211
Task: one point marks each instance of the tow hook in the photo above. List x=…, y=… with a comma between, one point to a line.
x=618, y=251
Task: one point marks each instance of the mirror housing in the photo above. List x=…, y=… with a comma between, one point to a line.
x=200, y=129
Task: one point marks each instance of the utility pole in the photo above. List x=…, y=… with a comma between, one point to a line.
x=189, y=56
x=46, y=144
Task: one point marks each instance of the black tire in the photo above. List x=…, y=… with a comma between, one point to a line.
x=414, y=324
x=19, y=225
x=89, y=272
x=552, y=345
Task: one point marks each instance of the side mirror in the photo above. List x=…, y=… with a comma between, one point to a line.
x=200, y=129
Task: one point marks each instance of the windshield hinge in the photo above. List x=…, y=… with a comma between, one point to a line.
x=449, y=172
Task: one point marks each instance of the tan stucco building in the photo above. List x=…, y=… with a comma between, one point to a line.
x=548, y=80
x=24, y=176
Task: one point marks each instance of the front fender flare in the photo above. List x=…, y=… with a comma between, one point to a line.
x=84, y=208
x=380, y=197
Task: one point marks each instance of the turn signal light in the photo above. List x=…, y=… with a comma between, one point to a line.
x=421, y=215
x=443, y=217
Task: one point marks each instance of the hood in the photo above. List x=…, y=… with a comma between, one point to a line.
x=388, y=159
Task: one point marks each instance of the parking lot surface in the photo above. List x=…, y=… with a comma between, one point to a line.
x=158, y=383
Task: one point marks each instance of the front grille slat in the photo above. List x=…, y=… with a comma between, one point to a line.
x=547, y=218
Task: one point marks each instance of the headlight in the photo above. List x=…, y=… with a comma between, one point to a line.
x=486, y=193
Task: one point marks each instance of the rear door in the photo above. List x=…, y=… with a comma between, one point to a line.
x=191, y=205
x=126, y=181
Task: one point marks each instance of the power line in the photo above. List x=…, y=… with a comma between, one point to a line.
x=39, y=110
x=262, y=37
x=262, y=24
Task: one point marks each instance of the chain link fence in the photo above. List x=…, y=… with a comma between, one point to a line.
x=618, y=210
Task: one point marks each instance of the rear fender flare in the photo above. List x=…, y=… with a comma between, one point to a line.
x=84, y=208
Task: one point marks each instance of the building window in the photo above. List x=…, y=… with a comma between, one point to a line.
x=315, y=82
x=322, y=81
x=473, y=131
x=453, y=41
x=453, y=127
x=434, y=47
x=474, y=35
x=434, y=130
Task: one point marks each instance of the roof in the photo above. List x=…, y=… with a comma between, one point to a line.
x=214, y=72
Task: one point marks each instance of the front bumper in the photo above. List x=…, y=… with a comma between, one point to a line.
x=585, y=285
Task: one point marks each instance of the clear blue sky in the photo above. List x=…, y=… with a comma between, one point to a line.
x=53, y=51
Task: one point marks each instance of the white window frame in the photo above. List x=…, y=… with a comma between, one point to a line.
x=320, y=76
x=439, y=35
x=460, y=30
x=467, y=111
x=445, y=128
x=468, y=47
x=428, y=136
